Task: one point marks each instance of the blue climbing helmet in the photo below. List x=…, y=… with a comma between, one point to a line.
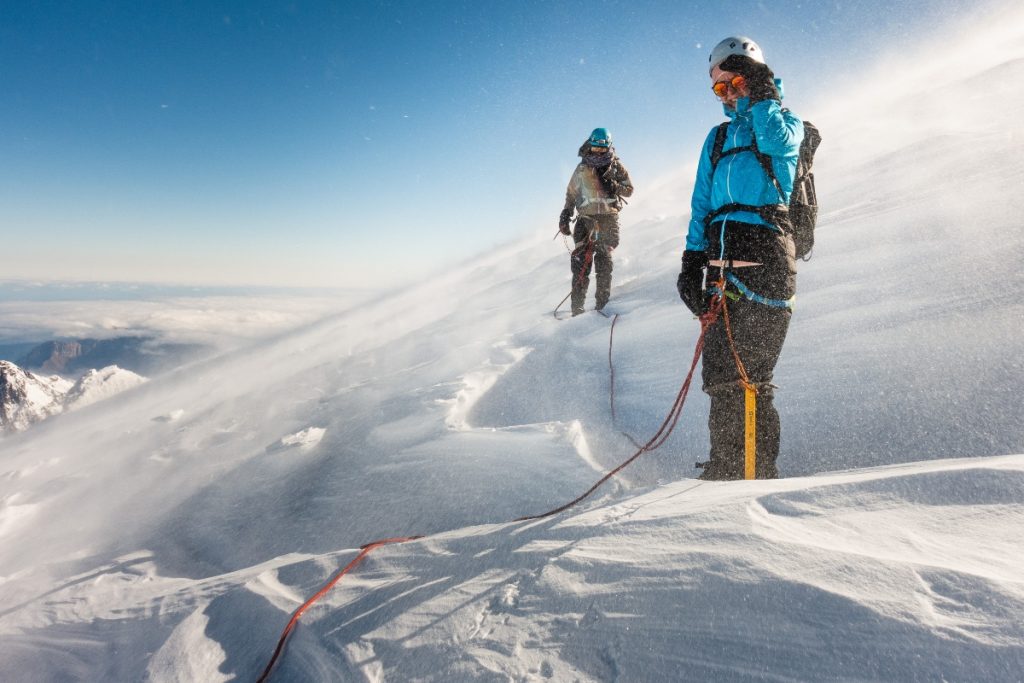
x=600, y=138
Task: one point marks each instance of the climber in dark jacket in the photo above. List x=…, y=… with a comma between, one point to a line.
x=738, y=237
x=595, y=191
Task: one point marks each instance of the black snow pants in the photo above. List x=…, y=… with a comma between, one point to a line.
x=596, y=237
x=759, y=331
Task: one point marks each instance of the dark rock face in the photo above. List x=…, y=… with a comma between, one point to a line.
x=55, y=356
x=143, y=355
x=26, y=398
x=13, y=393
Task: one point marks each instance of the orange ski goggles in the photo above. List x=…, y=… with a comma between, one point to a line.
x=720, y=88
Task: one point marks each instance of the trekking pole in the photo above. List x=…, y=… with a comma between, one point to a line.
x=555, y=312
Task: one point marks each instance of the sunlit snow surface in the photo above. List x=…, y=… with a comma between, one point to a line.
x=168, y=532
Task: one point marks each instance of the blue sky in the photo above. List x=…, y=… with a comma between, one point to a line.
x=361, y=143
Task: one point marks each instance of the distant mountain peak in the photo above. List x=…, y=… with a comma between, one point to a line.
x=96, y=385
x=27, y=398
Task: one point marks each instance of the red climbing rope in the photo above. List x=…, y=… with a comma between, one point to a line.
x=588, y=257
x=584, y=274
x=655, y=442
x=611, y=378
x=611, y=367
x=571, y=255
x=365, y=550
x=666, y=427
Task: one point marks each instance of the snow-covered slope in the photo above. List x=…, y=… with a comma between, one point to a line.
x=890, y=574
x=27, y=398
x=168, y=532
x=96, y=385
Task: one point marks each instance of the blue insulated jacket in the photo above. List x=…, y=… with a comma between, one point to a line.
x=740, y=178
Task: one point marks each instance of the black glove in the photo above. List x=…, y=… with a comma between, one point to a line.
x=760, y=79
x=611, y=187
x=563, y=221
x=690, y=282
x=761, y=84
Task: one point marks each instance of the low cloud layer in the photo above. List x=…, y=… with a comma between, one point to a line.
x=219, y=320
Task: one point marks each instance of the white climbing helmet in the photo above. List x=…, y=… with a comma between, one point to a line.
x=735, y=45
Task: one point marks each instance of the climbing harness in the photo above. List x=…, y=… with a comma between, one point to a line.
x=752, y=295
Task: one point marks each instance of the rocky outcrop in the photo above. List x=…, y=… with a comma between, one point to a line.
x=26, y=398
x=143, y=355
x=54, y=356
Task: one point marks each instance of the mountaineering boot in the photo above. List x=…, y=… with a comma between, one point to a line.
x=716, y=471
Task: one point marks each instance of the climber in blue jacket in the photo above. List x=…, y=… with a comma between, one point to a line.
x=738, y=235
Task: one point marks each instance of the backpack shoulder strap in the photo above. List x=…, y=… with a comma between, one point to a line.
x=766, y=164
x=716, y=151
